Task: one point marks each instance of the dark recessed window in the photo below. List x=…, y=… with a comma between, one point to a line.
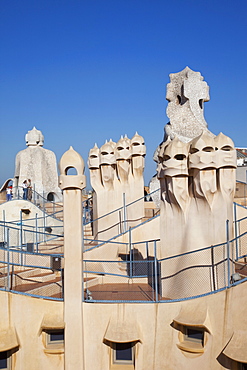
x=55, y=336
x=4, y=360
x=192, y=339
x=194, y=335
x=123, y=353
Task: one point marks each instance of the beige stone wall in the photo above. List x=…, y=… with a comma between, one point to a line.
x=25, y=314
x=152, y=325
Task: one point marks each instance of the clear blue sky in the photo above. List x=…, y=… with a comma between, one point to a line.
x=90, y=70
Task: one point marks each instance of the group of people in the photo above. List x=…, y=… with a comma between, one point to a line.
x=27, y=191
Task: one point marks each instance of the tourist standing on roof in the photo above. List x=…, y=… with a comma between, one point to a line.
x=25, y=189
x=9, y=193
x=29, y=190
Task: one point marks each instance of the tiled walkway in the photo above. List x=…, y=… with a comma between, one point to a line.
x=122, y=292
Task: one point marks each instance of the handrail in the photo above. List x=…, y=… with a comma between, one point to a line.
x=37, y=198
x=240, y=205
x=222, y=282
x=151, y=264
x=116, y=236
x=120, y=208
x=40, y=254
x=133, y=264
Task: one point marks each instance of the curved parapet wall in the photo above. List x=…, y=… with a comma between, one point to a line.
x=223, y=332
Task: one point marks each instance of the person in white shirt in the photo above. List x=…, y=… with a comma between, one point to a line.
x=9, y=193
x=25, y=189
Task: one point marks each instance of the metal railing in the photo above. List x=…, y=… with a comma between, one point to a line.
x=33, y=274
x=240, y=225
x=139, y=276
x=53, y=208
x=118, y=221
x=24, y=268
x=131, y=273
x=134, y=273
x=28, y=232
x=241, y=193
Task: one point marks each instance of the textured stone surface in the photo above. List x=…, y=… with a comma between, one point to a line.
x=37, y=164
x=186, y=94
x=154, y=188
x=196, y=170
x=197, y=181
x=116, y=173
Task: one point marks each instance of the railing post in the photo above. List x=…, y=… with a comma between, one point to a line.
x=236, y=230
x=148, y=262
x=34, y=194
x=82, y=236
x=155, y=273
x=147, y=252
x=36, y=232
x=4, y=228
x=124, y=213
x=228, y=254
x=84, y=283
x=120, y=223
x=213, y=273
x=245, y=189
x=21, y=237
x=8, y=268
x=44, y=236
x=83, y=263
x=130, y=252
x=21, y=230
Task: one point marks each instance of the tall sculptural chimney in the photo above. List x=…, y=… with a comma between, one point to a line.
x=39, y=165
x=72, y=186
x=196, y=170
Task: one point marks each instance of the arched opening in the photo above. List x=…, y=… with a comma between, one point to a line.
x=6, y=184
x=51, y=197
x=71, y=171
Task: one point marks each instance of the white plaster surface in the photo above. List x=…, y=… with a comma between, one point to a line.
x=116, y=173
x=37, y=164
